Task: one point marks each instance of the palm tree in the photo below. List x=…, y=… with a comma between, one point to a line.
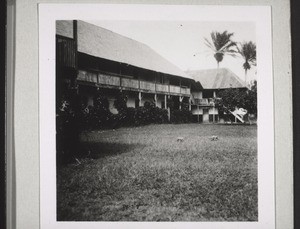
x=248, y=52
x=221, y=44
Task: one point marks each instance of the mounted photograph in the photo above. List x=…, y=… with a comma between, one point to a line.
x=156, y=115
x=156, y=120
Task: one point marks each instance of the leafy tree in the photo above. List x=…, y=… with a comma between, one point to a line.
x=252, y=99
x=121, y=103
x=228, y=99
x=233, y=98
x=100, y=112
x=247, y=50
x=254, y=86
x=221, y=44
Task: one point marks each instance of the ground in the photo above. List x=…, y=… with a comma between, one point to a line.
x=145, y=174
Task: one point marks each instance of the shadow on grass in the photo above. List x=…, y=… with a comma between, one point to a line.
x=94, y=150
x=103, y=149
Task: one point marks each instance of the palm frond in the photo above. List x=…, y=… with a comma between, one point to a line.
x=247, y=51
x=209, y=44
x=221, y=44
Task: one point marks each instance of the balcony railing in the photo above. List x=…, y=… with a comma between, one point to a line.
x=87, y=76
x=211, y=101
x=147, y=86
x=174, y=89
x=185, y=90
x=162, y=87
x=108, y=80
x=131, y=83
x=113, y=80
x=204, y=102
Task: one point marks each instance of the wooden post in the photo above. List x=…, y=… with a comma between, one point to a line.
x=140, y=98
x=156, y=76
x=139, y=81
x=214, y=96
x=169, y=111
x=180, y=87
x=165, y=102
x=198, y=112
x=190, y=104
x=180, y=101
x=75, y=37
x=155, y=99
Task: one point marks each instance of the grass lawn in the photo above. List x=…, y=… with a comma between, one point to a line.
x=144, y=174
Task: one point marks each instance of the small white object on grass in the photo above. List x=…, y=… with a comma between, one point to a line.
x=180, y=139
x=214, y=138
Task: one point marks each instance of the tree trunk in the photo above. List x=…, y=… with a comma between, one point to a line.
x=246, y=78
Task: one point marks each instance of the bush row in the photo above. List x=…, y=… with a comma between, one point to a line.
x=72, y=114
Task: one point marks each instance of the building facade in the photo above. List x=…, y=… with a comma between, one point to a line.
x=213, y=82
x=95, y=59
x=90, y=59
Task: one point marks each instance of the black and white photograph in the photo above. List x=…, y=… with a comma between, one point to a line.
x=144, y=138
x=160, y=120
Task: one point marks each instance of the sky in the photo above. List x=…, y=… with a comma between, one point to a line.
x=182, y=42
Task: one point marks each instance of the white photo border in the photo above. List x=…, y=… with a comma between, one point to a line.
x=261, y=15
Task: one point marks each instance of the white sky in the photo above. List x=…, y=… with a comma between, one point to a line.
x=178, y=41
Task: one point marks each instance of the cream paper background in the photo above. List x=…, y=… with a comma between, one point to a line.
x=28, y=125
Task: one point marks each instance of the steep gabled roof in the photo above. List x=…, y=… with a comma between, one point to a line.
x=99, y=42
x=221, y=78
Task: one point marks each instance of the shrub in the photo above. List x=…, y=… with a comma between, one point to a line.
x=68, y=126
x=120, y=102
x=101, y=113
x=150, y=114
x=181, y=116
x=232, y=98
x=128, y=116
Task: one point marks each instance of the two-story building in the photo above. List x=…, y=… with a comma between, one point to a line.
x=213, y=81
x=91, y=58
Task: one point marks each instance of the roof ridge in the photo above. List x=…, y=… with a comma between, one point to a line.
x=216, y=78
x=238, y=78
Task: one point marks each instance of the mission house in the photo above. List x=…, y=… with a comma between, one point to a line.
x=91, y=59
x=213, y=82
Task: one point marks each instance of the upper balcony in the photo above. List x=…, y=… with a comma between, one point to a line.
x=204, y=102
x=113, y=80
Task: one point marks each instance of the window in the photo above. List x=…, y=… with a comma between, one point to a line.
x=207, y=94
